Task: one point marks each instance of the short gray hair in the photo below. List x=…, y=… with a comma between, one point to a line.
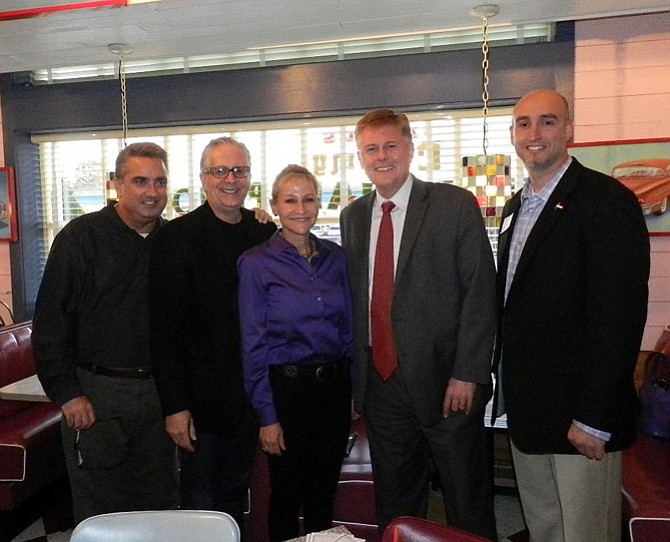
x=143, y=149
x=218, y=142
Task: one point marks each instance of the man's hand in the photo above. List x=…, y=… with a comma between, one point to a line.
x=458, y=397
x=272, y=439
x=180, y=428
x=79, y=413
x=589, y=446
x=262, y=215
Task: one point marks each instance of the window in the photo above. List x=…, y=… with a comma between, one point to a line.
x=75, y=168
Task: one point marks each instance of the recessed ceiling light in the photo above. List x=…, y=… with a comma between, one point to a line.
x=121, y=49
x=485, y=10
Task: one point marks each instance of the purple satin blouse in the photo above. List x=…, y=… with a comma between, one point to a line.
x=292, y=311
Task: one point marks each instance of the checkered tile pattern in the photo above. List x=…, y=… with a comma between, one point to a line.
x=488, y=177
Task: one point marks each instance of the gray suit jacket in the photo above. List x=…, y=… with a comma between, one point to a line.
x=444, y=301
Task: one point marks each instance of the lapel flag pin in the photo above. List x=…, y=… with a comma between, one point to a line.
x=558, y=207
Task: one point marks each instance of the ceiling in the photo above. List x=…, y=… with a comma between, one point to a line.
x=175, y=28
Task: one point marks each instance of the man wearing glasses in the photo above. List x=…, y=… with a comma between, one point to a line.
x=196, y=334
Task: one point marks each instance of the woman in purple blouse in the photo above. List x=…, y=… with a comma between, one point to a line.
x=296, y=322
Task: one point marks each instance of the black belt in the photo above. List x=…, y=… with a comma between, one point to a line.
x=318, y=372
x=138, y=374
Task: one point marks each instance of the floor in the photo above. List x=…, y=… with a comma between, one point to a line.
x=509, y=519
x=508, y=514
x=35, y=533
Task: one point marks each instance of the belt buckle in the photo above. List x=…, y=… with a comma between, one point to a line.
x=324, y=371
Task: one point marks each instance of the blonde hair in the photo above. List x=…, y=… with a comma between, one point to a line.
x=292, y=170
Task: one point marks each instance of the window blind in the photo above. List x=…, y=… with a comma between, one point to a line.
x=75, y=168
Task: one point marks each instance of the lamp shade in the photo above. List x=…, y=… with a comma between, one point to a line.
x=488, y=177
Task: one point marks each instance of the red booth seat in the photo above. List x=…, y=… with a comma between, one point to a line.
x=409, y=529
x=31, y=454
x=646, y=490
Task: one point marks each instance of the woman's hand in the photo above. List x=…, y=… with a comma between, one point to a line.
x=272, y=439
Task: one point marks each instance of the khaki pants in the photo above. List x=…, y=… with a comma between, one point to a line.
x=569, y=498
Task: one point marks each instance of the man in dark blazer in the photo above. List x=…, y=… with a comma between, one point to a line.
x=195, y=334
x=431, y=408
x=572, y=292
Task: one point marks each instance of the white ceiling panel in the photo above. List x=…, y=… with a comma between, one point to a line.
x=173, y=28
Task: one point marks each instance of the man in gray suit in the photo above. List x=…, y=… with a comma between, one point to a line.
x=442, y=323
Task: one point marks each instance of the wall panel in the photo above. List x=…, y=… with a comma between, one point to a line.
x=622, y=91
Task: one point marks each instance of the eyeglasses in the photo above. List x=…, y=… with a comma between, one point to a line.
x=221, y=172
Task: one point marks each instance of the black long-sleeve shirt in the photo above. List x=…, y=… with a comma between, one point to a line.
x=92, y=305
x=195, y=343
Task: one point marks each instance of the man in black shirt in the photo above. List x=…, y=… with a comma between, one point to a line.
x=195, y=343
x=91, y=344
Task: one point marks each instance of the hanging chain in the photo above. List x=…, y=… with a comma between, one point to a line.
x=124, y=103
x=485, y=71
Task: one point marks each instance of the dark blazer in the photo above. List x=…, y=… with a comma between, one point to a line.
x=195, y=329
x=571, y=327
x=444, y=301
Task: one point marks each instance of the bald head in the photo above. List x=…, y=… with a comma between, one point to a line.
x=544, y=95
x=540, y=132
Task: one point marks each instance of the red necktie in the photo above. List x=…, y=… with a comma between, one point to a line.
x=384, y=354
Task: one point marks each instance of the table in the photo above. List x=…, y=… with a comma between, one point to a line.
x=28, y=389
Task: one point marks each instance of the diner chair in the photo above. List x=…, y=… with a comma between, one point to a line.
x=411, y=529
x=158, y=526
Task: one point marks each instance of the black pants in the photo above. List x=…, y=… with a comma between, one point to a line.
x=315, y=415
x=401, y=450
x=217, y=475
x=126, y=460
